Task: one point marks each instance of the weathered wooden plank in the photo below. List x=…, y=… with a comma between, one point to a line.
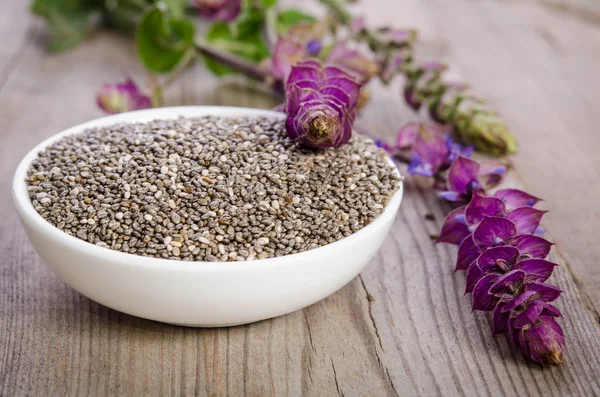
x=402, y=328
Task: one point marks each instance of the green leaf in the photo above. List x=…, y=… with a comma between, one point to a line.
x=69, y=21
x=246, y=41
x=268, y=3
x=177, y=7
x=288, y=18
x=250, y=21
x=162, y=41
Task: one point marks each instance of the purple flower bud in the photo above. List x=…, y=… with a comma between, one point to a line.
x=396, y=37
x=391, y=64
x=411, y=96
x=320, y=104
x=121, y=97
x=543, y=341
x=357, y=25
x=313, y=47
x=219, y=10
x=362, y=67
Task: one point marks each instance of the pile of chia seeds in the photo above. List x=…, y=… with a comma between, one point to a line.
x=208, y=189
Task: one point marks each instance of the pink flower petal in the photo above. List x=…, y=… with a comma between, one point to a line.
x=481, y=206
x=454, y=230
x=526, y=219
x=493, y=230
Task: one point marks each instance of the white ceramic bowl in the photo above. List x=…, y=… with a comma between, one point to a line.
x=196, y=293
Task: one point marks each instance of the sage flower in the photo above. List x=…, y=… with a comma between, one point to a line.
x=285, y=54
x=320, y=104
x=542, y=339
x=219, y=10
x=498, y=231
x=353, y=61
x=301, y=42
x=122, y=97
x=466, y=177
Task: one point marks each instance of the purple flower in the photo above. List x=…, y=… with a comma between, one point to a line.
x=396, y=37
x=514, y=198
x=429, y=154
x=505, y=260
x=391, y=63
x=320, y=104
x=498, y=231
x=432, y=151
x=286, y=54
x=357, y=25
x=121, y=97
x=407, y=135
x=466, y=177
x=219, y=10
x=383, y=145
x=313, y=47
x=353, y=61
x=302, y=41
x=542, y=339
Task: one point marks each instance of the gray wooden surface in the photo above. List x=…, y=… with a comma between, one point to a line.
x=403, y=326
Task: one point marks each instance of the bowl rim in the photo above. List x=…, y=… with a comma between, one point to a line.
x=25, y=207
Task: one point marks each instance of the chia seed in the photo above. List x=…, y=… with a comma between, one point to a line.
x=208, y=189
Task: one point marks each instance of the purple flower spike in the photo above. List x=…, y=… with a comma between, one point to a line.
x=320, y=104
x=499, y=248
x=219, y=10
x=122, y=97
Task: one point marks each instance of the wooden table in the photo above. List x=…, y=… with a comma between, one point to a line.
x=403, y=327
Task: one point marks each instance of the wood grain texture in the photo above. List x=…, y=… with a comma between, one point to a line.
x=403, y=327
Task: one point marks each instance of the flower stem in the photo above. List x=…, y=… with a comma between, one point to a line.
x=240, y=65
